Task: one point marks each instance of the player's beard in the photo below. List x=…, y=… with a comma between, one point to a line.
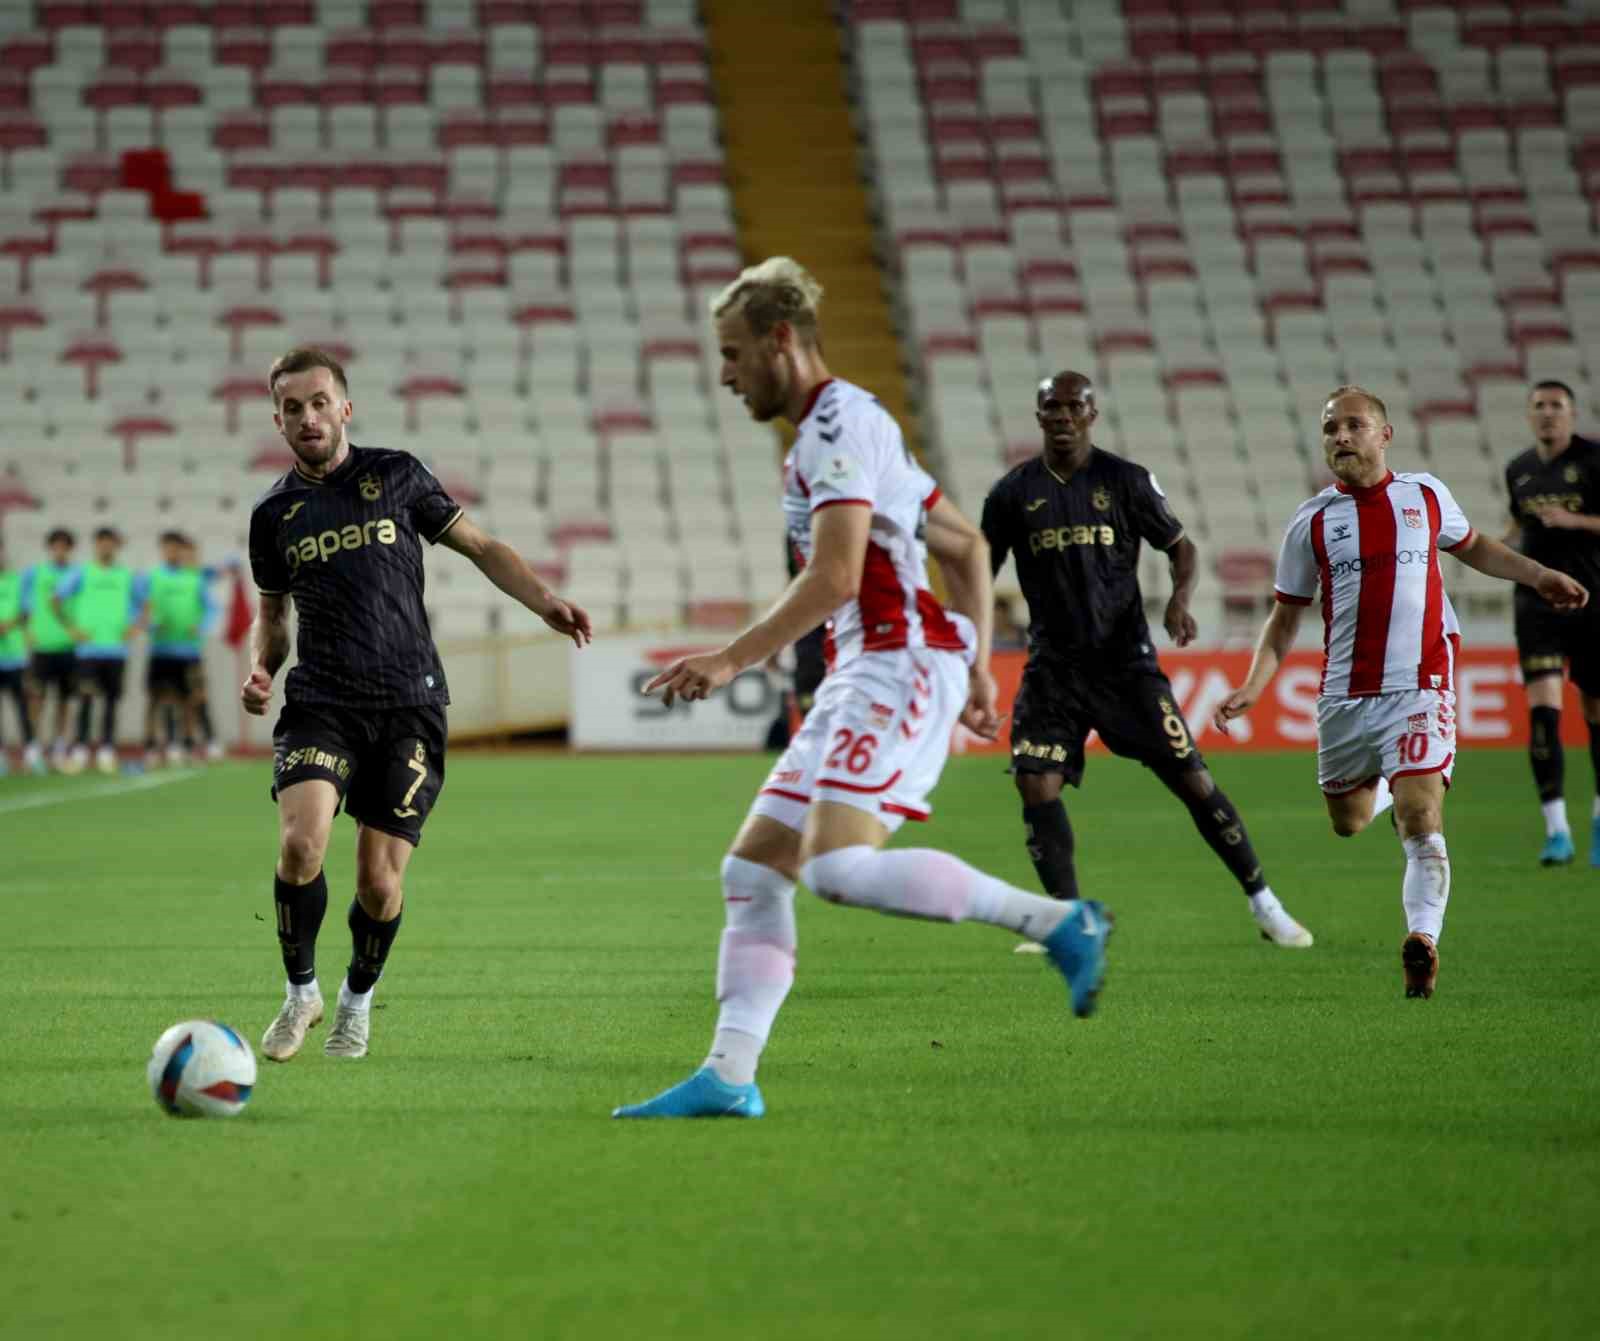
x=766, y=398
x=316, y=455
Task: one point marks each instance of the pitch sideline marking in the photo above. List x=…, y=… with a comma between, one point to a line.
x=139, y=784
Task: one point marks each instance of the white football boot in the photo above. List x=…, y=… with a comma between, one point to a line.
x=287, y=1033
x=1276, y=925
x=348, y=1037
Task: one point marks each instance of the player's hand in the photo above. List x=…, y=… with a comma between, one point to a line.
x=1235, y=705
x=569, y=620
x=1561, y=591
x=692, y=678
x=1559, y=519
x=256, y=693
x=1180, y=623
x=981, y=716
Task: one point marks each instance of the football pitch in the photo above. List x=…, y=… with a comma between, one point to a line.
x=1244, y=1142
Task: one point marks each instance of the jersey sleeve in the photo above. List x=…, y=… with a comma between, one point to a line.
x=1295, y=582
x=267, y=566
x=1454, y=528
x=433, y=511
x=835, y=472
x=68, y=584
x=30, y=575
x=138, y=594
x=1153, y=517
x=993, y=527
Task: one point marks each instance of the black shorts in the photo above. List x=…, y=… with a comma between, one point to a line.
x=11, y=680
x=101, y=675
x=1134, y=710
x=1550, y=641
x=172, y=676
x=387, y=763
x=57, y=670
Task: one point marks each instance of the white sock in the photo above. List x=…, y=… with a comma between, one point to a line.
x=1427, y=884
x=755, y=965
x=349, y=1000
x=1555, y=816
x=304, y=991
x=1382, y=797
x=933, y=886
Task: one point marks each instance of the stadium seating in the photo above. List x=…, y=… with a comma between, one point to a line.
x=1221, y=210
x=506, y=216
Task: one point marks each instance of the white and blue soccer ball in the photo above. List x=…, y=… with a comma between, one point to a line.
x=201, y=1068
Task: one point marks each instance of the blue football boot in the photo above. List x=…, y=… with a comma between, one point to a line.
x=704, y=1094
x=1078, y=948
x=1557, y=850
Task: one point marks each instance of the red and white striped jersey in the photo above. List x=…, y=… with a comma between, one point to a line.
x=849, y=452
x=1387, y=623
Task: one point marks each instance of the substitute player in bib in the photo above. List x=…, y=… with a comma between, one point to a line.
x=363, y=724
x=1386, y=712
x=14, y=663
x=100, y=603
x=902, y=670
x=1554, y=490
x=1074, y=517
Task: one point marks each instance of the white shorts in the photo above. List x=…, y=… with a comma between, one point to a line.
x=876, y=738
x=1392, y=735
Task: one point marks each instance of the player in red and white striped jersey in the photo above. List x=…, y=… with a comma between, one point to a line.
x=862, y=515
x=1385, y=715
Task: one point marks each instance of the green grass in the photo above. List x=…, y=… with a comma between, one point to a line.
x=1245, y=1142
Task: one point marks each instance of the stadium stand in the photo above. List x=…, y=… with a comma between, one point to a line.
x=506, y=216
x=1223, y=209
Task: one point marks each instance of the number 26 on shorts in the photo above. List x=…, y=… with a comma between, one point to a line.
x=851, y=752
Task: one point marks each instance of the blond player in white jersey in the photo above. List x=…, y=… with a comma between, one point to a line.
x=902, y=671
x=1386, y=712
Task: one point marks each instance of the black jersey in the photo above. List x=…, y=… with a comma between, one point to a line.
x=1570, y=482
x=348, y=549
x=1077, y=548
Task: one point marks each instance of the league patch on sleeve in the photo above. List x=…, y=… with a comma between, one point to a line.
x=1156, y=485
x=841, y=471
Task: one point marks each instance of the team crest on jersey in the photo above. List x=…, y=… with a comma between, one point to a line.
x=839, y=470
x=371, y=488
x=1570, y=474
x=1419, y=723
x=1101, y=500
x=1413, y=517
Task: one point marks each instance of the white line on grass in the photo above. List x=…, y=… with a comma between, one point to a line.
x=139, y=784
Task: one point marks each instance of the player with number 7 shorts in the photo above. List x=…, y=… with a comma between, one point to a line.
x=1386, y=711
x=902, y=670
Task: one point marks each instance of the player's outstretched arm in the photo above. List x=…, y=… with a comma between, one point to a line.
x=964, y=558
x=1494, y=559
x=509, y=571
x=832, y=577
x=1277, y=637
x=269, y=649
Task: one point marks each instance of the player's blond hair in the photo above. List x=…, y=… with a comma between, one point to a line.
x=778, y=289
x=1372, y=400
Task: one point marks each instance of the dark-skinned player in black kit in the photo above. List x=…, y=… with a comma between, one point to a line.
x=1075, y=516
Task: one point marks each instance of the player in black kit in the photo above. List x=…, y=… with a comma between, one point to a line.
x=1554, y=492
x=1074, y=516
x=363, y=722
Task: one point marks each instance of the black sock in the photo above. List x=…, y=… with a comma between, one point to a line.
x=85, y=719
x=300, y=910
x=24, y=721
x=1050, y=848
x=208, y=733
x=109, y=735
x=1220, y=826
x=1545, y=753
x=370, y=941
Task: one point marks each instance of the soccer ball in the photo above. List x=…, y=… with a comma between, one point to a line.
x=201, y=1068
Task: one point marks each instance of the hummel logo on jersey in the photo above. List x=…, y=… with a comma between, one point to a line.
x=1341, y=531
x=289, y=515
x=1035, y=505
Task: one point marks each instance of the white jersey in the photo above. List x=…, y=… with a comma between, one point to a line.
x=849, y=452
x=1387, y=624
